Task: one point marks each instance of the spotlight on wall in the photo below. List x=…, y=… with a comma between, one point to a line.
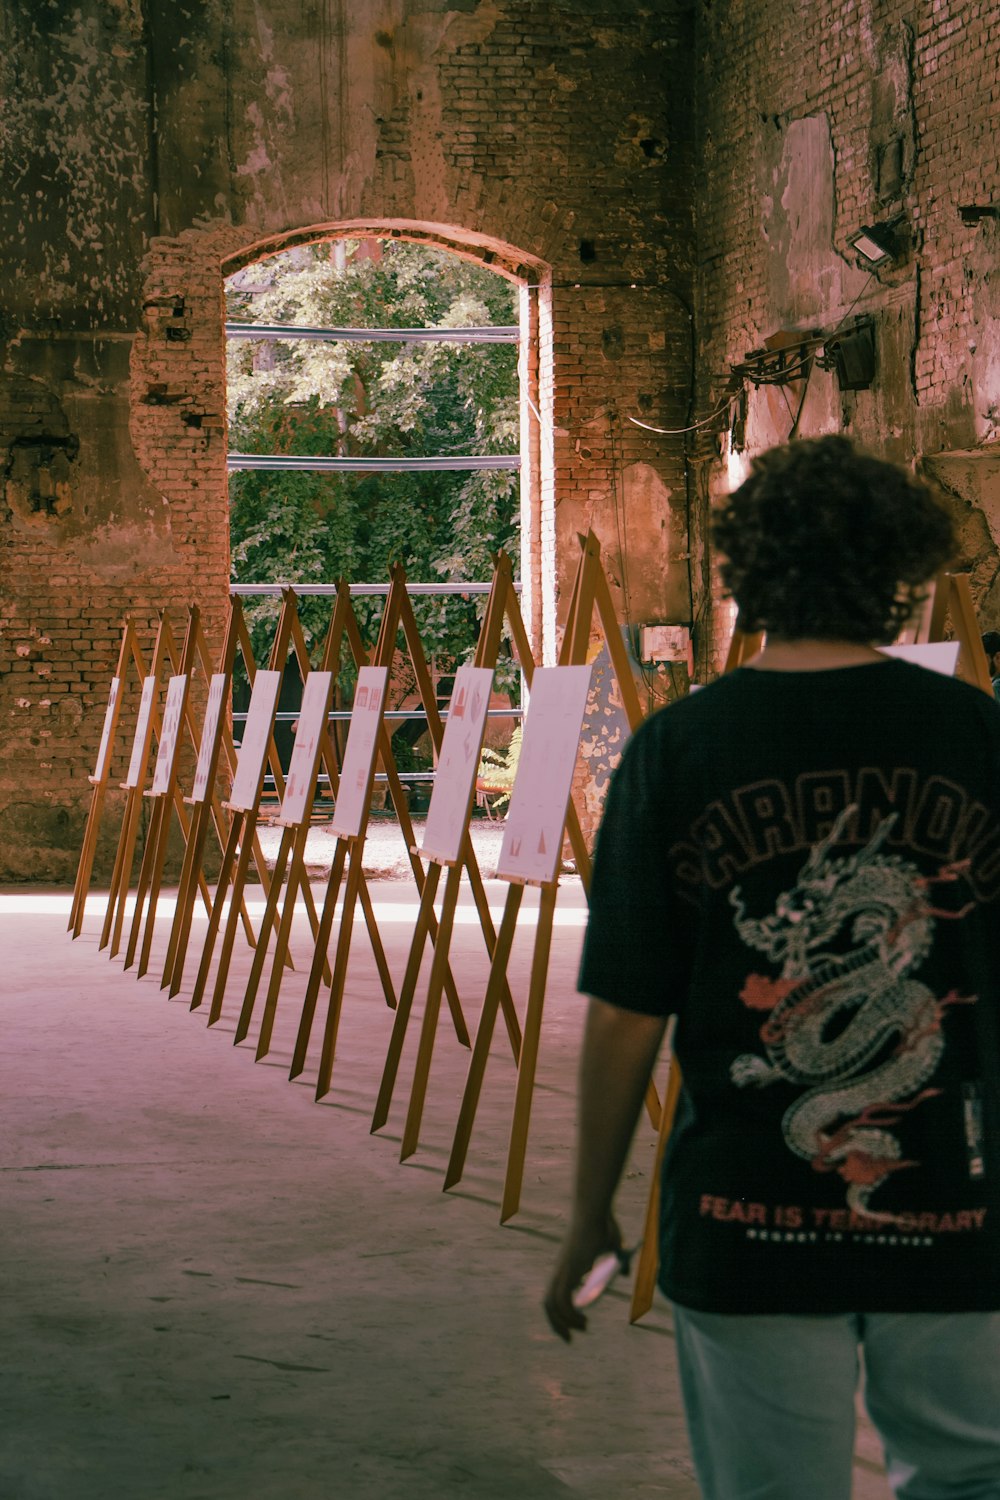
x=850, y=354
x=972, y=213
x=875, y=245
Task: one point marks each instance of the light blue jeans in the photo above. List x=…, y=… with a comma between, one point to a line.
x=770, y=1402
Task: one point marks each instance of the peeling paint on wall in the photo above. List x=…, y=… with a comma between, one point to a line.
x=74, y=142
x=805, y=272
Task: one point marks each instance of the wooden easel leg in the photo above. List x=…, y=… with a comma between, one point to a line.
x=644, y=1284
x=381, y=962
x=267, y=922
x=406, y=995
x=529, y=1055
x=450, y=988
x=490, y=938
x=313, y=915
x=316, y=970
x=296, y=877
x=87, y=853
x=264, y=876
x=180, y=927
x=145, y=877
x=156, y=880
x=118, y=895
x=232, y=922
x=354, y=880
x=484, y=1036
x=222, y=885
x=432, y=1007
x=972, y=657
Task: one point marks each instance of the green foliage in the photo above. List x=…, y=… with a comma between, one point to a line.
x=498, y=768
x=372, y=399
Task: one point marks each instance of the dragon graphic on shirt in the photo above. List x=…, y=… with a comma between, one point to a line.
x=847, y=1020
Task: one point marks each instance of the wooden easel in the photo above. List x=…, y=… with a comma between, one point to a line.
x=349, y=851
x=242, y=844
x=590, y=593
x=162, y=793
x=486, y=654
x=216, y=744
x=743, y=646
x=953, y=603
x=99, y=781
x=147, y=724
x=295, y=831
x=398, y=614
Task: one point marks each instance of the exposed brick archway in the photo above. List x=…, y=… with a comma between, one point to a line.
x=177, y=417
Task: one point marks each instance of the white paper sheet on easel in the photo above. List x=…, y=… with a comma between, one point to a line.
x=536, y=819
x=104, y=750
x=209, y=731
x=166, y=752
x=937, y=656
x=458, y=765
x=253, y=747
x=141, y=732
x=359, y=757
x=309, y=730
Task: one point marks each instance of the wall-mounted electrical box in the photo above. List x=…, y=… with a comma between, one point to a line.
x=664, y=643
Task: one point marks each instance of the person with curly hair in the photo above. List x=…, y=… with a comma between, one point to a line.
x=801, y=865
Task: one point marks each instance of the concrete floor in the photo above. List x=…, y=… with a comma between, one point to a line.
x=215, y=1288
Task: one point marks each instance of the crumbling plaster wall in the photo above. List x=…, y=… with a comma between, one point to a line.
x=813, y=121
x=148, y=146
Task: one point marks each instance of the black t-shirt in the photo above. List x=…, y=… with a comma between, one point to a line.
x=805, y=868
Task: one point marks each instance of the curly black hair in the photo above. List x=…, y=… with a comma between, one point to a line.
x=825, y=542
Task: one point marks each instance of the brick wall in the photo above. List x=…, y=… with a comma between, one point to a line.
x=813, y=121
x=671, y=185
x=552, y=139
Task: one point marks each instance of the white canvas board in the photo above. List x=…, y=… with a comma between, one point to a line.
x=253, y=747
x=455, y=780
x=311, y=723
x=359, y=757
x=937, y=656
x=536, y=818
x=170, y=733
x=209, y=731
x=104, y=749
x=141, y=732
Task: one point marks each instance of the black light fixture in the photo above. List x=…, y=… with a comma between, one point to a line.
x=875, y=245
x=850, y=354
x=972, y=213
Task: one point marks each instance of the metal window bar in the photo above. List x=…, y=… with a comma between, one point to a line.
x=328, y=464
x=493, y=334
x=506, y=333
x=330, y=589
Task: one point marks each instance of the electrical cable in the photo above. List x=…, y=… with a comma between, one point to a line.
x=782, y=375
x=808, y=341
x=802, y=401
x=871, y=278
x=620, y=525
x=679, y=431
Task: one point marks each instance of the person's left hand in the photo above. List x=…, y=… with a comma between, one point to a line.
x=581, y=1247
